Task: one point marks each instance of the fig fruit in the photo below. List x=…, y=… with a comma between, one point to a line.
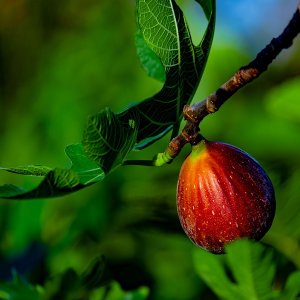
x=223, y=194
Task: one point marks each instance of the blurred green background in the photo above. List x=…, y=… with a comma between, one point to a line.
x=61, y=61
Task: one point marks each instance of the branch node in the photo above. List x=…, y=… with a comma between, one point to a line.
x=190, y=114
x=211, y=106
x=191, y=134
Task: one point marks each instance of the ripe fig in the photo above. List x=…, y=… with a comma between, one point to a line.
x=223, y=194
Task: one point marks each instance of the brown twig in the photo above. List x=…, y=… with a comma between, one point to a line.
x=195, y=113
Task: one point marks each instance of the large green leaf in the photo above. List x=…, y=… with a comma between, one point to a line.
x=167, y=38
x=109, y=137
x=164, y=36
x=165, y=31
x=246, y=272
x=253, y=269
x=211, y=269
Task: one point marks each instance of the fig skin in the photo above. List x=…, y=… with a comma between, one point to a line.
x=223, y=194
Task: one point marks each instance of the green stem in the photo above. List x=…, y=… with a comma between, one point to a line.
x=136, y=162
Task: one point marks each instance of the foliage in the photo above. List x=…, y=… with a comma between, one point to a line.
x=247, y=271
x=109, y=137
x=252, y=271
x=68, y=286
x=17, y=290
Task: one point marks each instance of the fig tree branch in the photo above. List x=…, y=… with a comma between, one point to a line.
x=194, y=114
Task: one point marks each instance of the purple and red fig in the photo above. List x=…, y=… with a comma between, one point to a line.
x=223, y=194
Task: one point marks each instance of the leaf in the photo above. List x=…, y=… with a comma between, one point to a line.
x=18, y=289
x=109, y=137
x=88, y=170
x=251, y=266
x=32, y=170
x=97, y=275
x=56, y=182
x=165, y=31
x=94, y=283
x=116, y=293
x=63, y=286
x=10, y=191
x=149, y=60
x=211, y=269
x=291, y=290
x=207, y=7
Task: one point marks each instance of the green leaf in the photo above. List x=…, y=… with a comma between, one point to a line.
x=251, y=266
x=116, y=293
x=149, y=60
x=291, y=290
x=211, y=269
x=109, y=137
x=63, y=286
x=18, y=289
x=97, y=274
x=56, y=182
x=94, y=283
x=88, y=170
x=207, y=7
x=10, y=191
x=32, y=170
x=166, y=33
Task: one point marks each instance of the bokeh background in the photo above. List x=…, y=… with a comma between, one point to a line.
x=61, y=61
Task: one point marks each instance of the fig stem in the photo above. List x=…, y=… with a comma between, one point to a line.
x=194, y=114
